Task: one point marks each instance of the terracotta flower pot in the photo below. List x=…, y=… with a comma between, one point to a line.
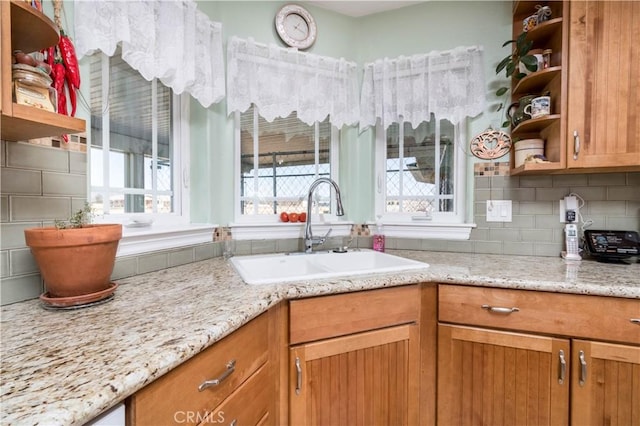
x=76, y=261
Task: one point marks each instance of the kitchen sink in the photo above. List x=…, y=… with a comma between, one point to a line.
x=282, y=268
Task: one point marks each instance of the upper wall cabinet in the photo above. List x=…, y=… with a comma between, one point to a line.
x=604, y=84
x=24, y=28
x=593, y=80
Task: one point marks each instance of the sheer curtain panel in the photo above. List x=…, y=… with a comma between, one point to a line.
x=280, y=80
x=448, y=84
x=170, y=40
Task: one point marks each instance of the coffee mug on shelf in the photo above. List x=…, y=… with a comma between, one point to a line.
x=520, y=111
x=539, y=107
x=529, y=22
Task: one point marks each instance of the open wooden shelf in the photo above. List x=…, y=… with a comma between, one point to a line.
x=535, y=125
x=25, y=28
x=536, y=168
x=545, y=30
x=31, y=30
x=29, y=123
x=536, y=80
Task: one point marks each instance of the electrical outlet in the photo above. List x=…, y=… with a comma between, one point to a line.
x=568, y=203
x=499, y=211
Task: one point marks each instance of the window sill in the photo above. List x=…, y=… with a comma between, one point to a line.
x=157, y=237
x=438, y=231
x=279, y=230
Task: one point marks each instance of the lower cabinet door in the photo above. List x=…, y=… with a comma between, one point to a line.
x=488, y=377
x=605, y=383
x=369, y=378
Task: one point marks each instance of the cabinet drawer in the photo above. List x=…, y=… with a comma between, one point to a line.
x=340, y=314
x=176, y=393
x=248, y=405
x=593, y=317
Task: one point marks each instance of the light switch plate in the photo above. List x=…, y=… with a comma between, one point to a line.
x=499, y=211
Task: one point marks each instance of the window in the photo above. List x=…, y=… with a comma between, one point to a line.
x=280, y=160
x=277, y=162
x=135, y=144
x=138, y=151
x=420, y=178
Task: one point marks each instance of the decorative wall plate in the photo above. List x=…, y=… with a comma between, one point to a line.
x=490, y=144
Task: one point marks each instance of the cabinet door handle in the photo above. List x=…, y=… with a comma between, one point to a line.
x=583, y=368
x=563, y=367
x=500, y=310
x=576, y=144
x=231, y=366
x=299, y=376
x=635, y=321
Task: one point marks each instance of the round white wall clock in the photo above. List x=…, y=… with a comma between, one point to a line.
x=296, y=27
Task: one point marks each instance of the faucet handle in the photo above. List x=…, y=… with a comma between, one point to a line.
x=321, y=240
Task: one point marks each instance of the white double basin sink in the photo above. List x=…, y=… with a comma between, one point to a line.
x=283, y=268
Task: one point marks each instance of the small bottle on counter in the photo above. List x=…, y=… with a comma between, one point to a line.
x=378, y=237
x=546, y=58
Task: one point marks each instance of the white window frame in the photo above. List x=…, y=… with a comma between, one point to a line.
x=440, y=225
x=167, y=230
x=248, y=227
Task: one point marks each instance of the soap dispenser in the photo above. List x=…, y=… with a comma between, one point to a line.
x=378, y=237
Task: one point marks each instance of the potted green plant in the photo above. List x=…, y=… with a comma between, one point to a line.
x=75, y=258
x=511, y=65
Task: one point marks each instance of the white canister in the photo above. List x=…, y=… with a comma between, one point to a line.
x=537, y=53
x=527, y=147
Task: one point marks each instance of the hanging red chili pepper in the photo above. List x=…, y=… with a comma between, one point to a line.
x=58, y=84
x=72, y=94
x=68, y=53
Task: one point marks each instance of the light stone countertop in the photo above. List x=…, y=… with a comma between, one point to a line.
x=66, y=367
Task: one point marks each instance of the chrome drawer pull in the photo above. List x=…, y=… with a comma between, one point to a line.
x=299, y=372
x=231, y=366
x=499, y=310
x=563, y=367
x=635, y=321
x=583, y=368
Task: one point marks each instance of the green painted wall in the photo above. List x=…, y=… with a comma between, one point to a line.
x=212, y=154
x=433, y=25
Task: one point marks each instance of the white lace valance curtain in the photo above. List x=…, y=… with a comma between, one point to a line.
x=279, y=81
x=170, y=40
x=448, y=84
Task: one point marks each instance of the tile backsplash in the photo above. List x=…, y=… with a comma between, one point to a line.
x=43, y=183
x=611, y=201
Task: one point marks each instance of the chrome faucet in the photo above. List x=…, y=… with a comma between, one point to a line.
x=309, y=239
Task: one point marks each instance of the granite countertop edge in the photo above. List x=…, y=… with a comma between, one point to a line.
x=67, y=367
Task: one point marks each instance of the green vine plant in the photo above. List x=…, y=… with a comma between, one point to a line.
x=79, y=219
x=511, y=66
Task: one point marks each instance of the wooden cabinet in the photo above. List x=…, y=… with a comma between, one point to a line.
x=605, y=384
x=593, y=80
x=524, y=357
x=355, y=359
x=604, y=84
x=233, y=380
x=551, y=34
x=500, y=378
x=24, y=28
x=368, y=378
